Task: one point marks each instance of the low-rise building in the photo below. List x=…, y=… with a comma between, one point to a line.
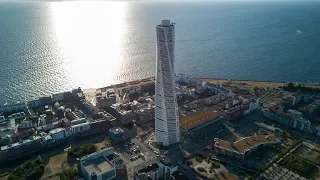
x=126, y=117
x=234, y=112
x=80, y=125
x=252, y=105
x=215, y=98
x=243, y=147
x=218, y=89
x=106, y=98
x=301, y=124
x=7, y=128
x=34, y=104
x=279, y=116
x=178, y=176
x=123, y=112
x=149, y=172
x=201, y=125
x=206, y=101
x=116, y=132
x=26, y=125
x=57, y=97
x=145, y=115
x=24, y=134
x=108, y=117
x=78, y=128
x=288, y=118
x=162, y=169
x=311, y=108
x=58, y=134
x=78, y=121
x=181, y=78
x=2, y=118
x=99, y=165
x=17, y=116
x=13, y=107
x=166, y=167
x=295, y=113
x=21, y=148
x=47, y=139
x=71, y=115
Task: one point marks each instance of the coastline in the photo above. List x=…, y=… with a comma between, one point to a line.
x=264, y=83
x=239, y=82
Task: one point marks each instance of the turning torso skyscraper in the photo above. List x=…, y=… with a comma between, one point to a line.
x=166, y=111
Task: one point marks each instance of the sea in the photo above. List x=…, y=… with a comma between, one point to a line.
x=53, y=46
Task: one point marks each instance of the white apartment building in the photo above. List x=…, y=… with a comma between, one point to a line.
x=58, y=134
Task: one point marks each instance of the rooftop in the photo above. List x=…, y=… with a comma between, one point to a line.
x=152, y=167
x=144, y=177
x=116, y=130
x=178, y=176
x=245, y=144
x=53, y=131
x=78, y=121
x=17, y=144
x=165, y=160
x=166, y=23
x=106, y=115
x=198, y=118
x=274, y=109
x=98, y=165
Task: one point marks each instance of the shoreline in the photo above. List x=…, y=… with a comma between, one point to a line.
x=242, y=82
x=208, y=79
x=265, y=81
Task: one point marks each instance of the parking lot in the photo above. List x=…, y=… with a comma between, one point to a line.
x=136, y=155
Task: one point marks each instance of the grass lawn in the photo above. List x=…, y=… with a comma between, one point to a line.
x=308, y=154
x=299, y=166
x=56, y=161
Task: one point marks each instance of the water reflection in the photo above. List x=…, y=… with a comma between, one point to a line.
x=90, y=36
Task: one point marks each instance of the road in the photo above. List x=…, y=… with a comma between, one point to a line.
x=134, y=166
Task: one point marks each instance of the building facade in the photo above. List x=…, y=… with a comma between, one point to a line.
x=243, y=147
x=166, y=111
x=58, y=134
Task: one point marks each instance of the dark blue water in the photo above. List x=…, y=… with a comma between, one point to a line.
x=47, y=47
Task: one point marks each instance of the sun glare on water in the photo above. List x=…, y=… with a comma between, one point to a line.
x=90, y=36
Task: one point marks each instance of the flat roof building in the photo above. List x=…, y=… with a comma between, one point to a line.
x=97, y=166
x=242, y=147
x=150, y=172
x=162, y=169
x=201, y=125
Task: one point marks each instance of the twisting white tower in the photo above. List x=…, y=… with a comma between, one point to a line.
x=166, y=111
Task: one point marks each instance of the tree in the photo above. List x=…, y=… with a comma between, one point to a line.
x=29, y=170
x=12, y=177
x=215, y=165
x=201, y=169
x=80, y=151
x=107, y=142
x=199, y=159
x=290, y=85
x=68, y=174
